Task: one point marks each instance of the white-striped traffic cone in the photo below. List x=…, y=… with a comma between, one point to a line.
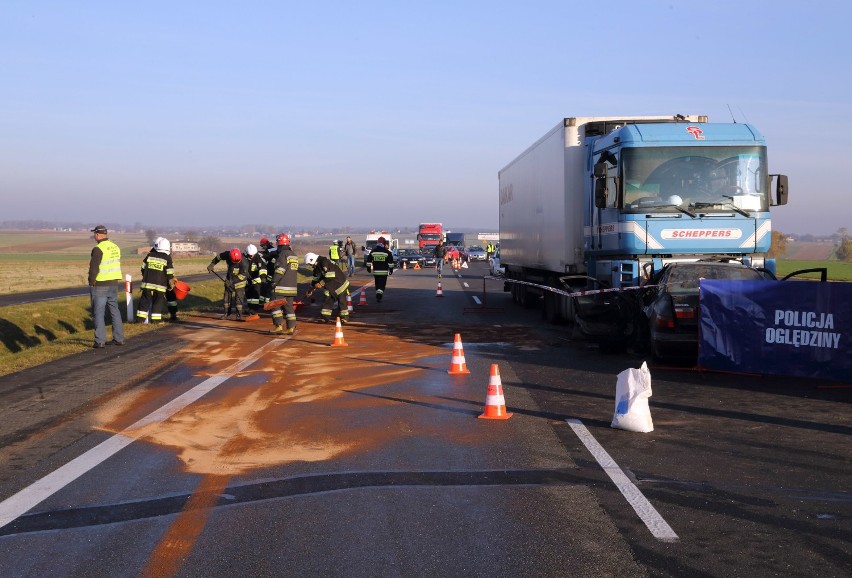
x=457, y=363
x=495, y=402
x=338, y=335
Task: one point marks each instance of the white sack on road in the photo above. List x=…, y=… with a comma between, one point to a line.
x=632, y=391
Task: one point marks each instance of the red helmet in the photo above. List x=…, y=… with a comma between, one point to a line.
x=264, y=242
x=283, y=240
x=236, y=255
x=382, y=240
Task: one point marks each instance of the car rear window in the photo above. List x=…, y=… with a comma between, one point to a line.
x=685, y=278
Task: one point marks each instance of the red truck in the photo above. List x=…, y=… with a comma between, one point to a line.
x=429, y=235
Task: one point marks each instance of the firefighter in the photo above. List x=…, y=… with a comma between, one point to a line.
x=171, y=296
x=257, y=278
x=235, y=281
x=335, y=253
x=285, y=286
x=267, y=252
x=158, y=276
x=382, y=260
x=332, y=280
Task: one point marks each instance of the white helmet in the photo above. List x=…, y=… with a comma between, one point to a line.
x=251, y=250
x=311, y=259
x=162, y=245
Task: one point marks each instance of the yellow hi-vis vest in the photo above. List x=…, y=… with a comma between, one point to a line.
x=110, y=267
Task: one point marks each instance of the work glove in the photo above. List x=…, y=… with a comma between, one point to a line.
x=172, y=283
x=229, y=285
x=210, y=267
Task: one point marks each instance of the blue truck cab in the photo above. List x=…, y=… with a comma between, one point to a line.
x=666, y=191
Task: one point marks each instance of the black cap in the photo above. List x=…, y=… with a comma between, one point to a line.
x=100, y=229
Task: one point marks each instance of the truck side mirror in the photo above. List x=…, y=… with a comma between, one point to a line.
x=600, y=193
x=600, y=170
x=781, y=190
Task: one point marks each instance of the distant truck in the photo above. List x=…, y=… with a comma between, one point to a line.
x=429, y=235
x=607, y=201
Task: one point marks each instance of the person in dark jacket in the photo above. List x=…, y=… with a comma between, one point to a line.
x=332, y=280
x=349, y=251
x=158, y=273
x=235, y=281
x=382, y=260
x=285, y=286
x=440, y=255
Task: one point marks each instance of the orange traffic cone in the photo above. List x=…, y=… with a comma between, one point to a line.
x=457, y=363
x=349, y=303
x=495, y=403
x=363, y=300
x=405, y=264
x=440, y=292
x=338, y=336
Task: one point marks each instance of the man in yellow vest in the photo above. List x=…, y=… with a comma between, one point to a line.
x=335, y=252
x=104, y=276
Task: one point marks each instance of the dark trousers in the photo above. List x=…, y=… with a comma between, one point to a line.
x=381, y=283
x=331, y=298
x=152, y=305
x=234, y=301
x=285, y=312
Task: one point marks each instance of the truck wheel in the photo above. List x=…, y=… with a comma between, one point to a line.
x=528, y=299
x=550, y=308
x=516, y=293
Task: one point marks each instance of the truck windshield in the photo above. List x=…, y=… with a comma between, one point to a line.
x=429, y=236
x=706, y=179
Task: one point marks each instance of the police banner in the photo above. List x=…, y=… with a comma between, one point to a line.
x=794, y=328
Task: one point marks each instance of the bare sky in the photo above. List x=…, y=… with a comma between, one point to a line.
x=389, y=113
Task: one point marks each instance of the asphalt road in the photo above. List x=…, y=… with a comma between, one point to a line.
x=211, y=448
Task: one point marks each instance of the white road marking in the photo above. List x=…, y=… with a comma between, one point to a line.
x=478, y=302
x=647, y=513
x=465, y=284
x=17, y=505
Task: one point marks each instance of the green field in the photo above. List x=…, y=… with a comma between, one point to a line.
x=837, y=271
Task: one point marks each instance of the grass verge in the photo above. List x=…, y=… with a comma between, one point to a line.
x=38, y=333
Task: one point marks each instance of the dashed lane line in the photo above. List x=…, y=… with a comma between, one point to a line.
x=647, y=513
